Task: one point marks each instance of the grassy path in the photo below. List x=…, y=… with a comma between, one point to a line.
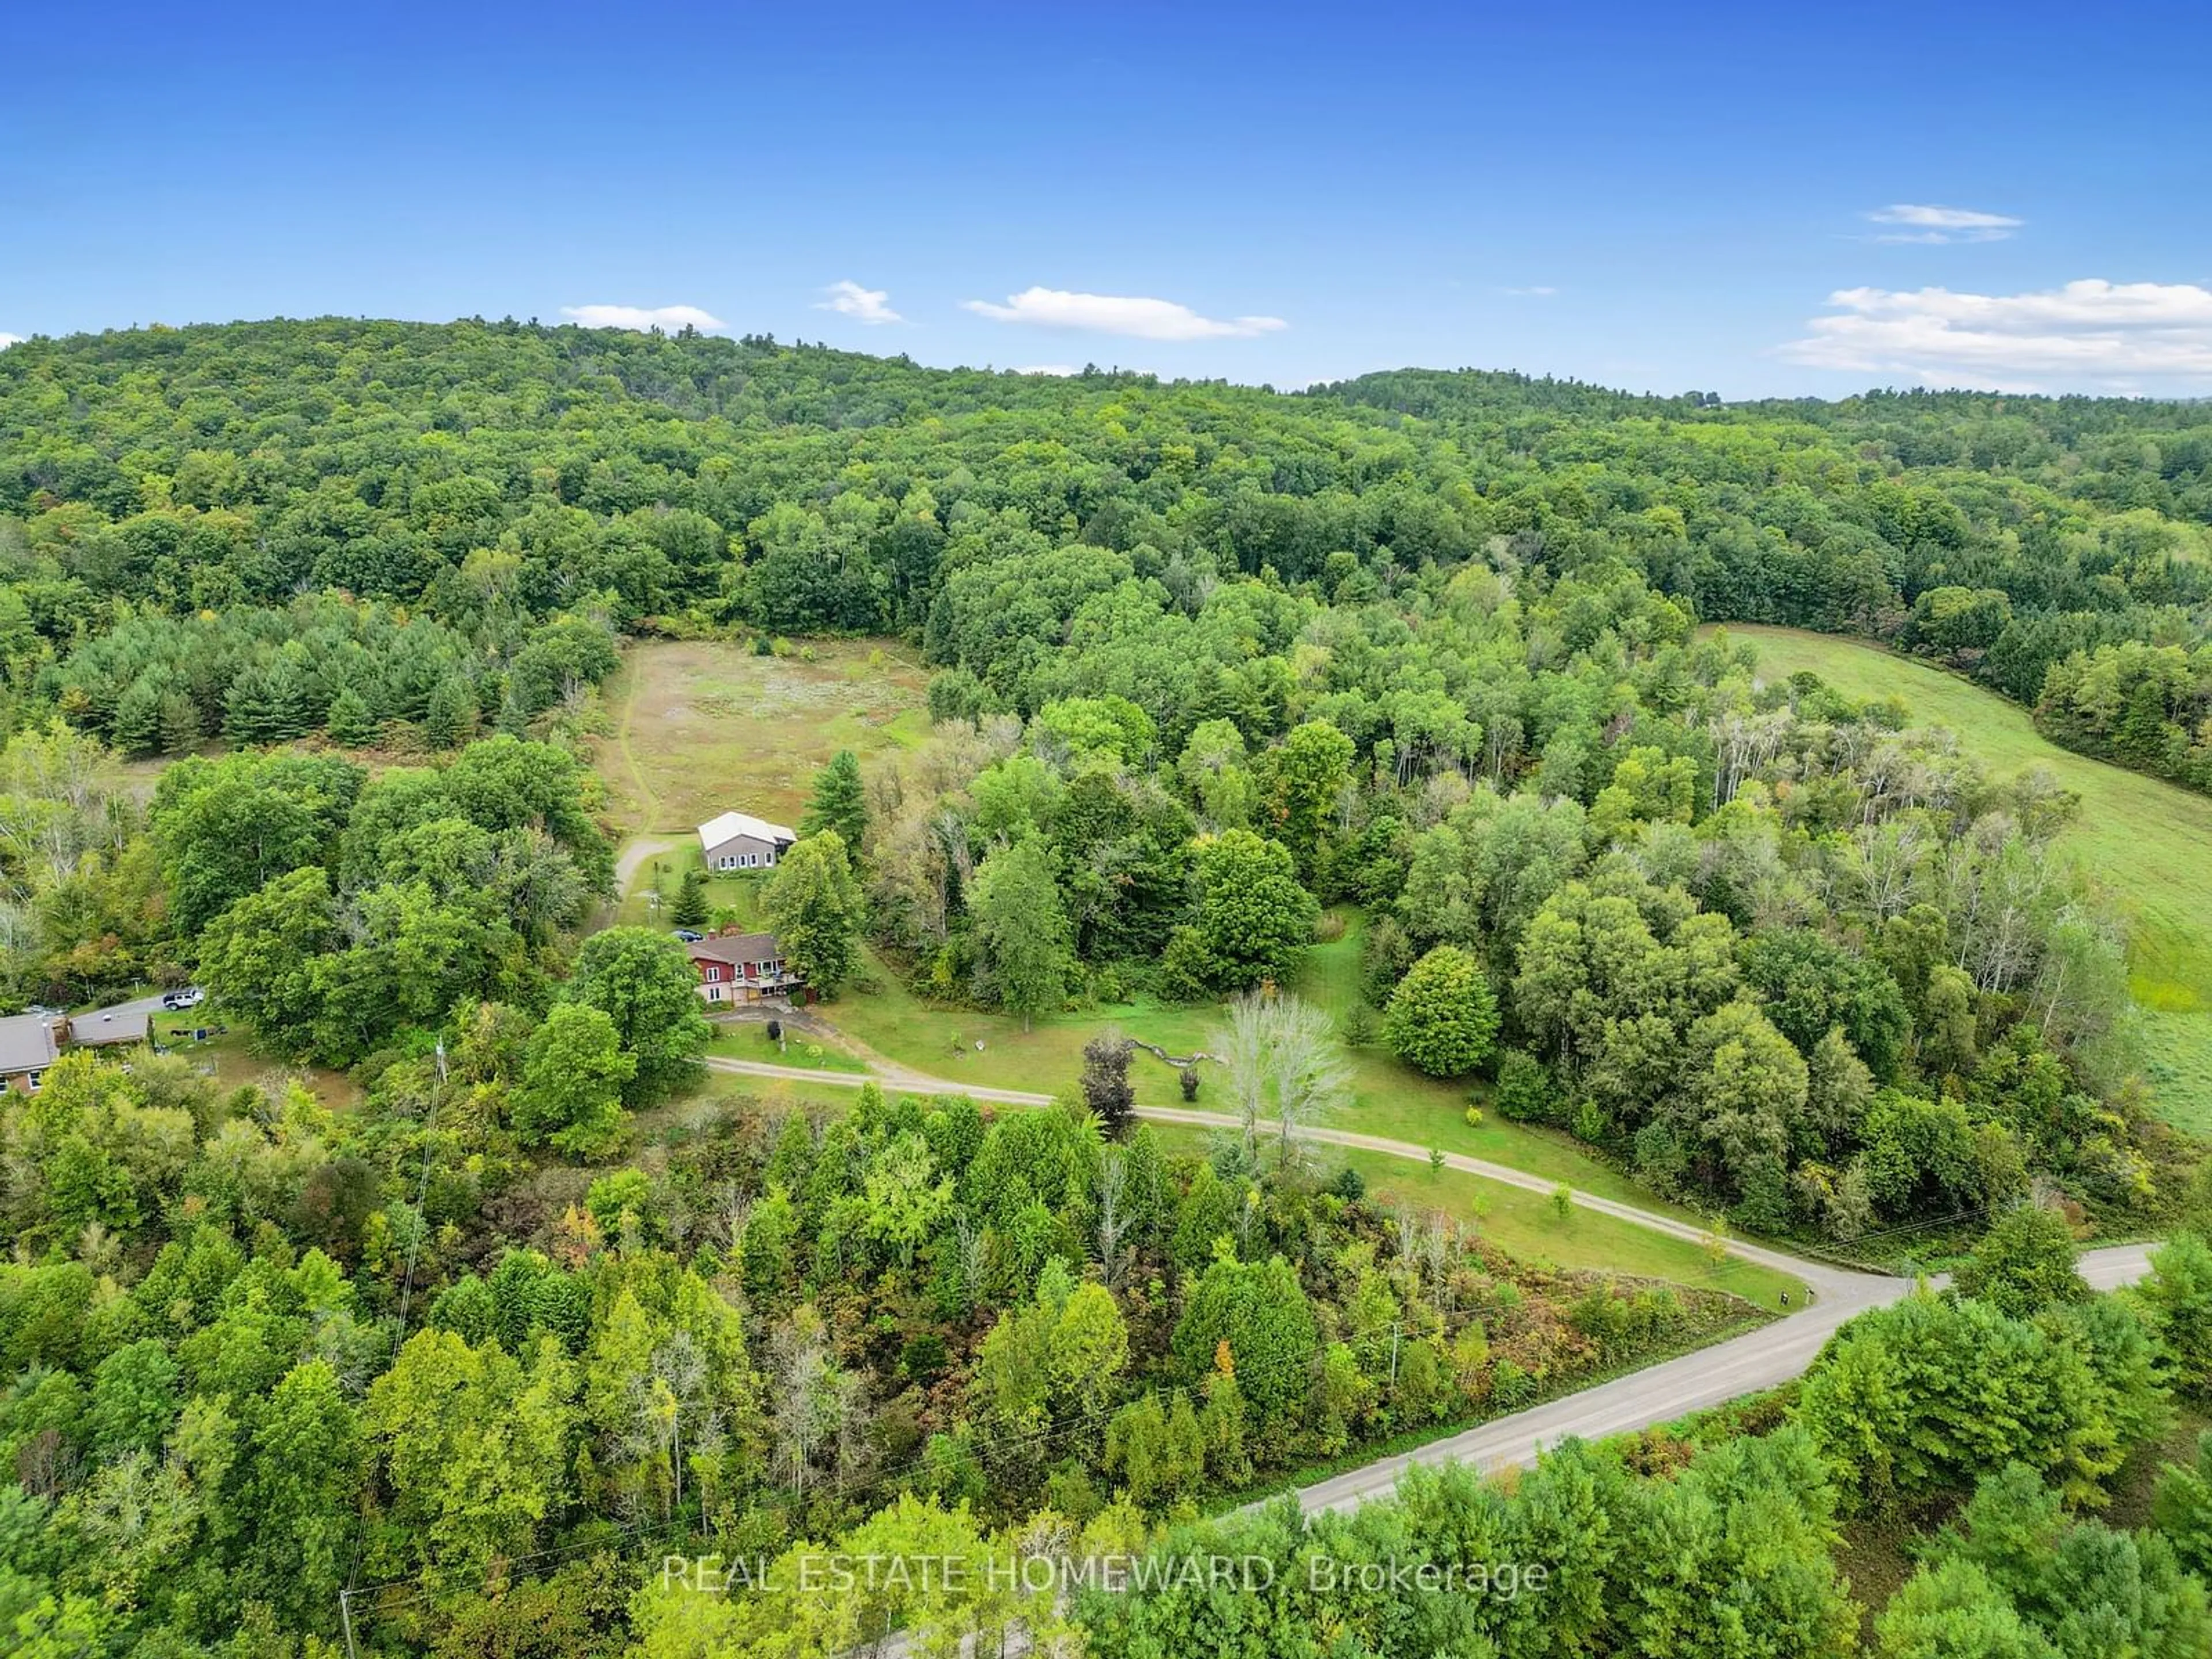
x=645, y=803
x=2147, y=843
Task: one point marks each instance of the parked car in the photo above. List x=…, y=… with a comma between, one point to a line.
x=190, y=997
x=690, y=936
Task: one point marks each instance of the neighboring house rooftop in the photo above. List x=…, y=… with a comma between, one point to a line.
x=106, y=1026
x=26, y=1044
x=738, y=948
x=716, y=831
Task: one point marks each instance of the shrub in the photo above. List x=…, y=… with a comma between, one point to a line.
x=1442, y=1016
x=1525, y=1093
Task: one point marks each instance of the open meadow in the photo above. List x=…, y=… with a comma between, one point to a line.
x=2146, y=842
x=701, y=726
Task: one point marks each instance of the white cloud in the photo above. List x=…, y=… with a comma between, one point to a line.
x=1109, y=313
x=643, y=317
x=2113, y=336
x=862, y=305
x=1920, y=222
x=1538, y=292
x=7, y=340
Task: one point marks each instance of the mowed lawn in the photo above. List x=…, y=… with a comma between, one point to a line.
x=1387, y=1098
x=2147, y=843
x=698, y=727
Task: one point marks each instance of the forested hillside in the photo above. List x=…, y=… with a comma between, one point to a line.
x=302, y=626
x=499, y=473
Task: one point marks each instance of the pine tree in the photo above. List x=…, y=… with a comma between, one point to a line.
x=180, y=723
x=452, y=716
x=690, y=908
x=137, y=728
x=839, y=801
x=291, y=694
x=350, y=722
x=251, y=711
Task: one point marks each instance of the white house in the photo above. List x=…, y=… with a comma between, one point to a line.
x=738, y=840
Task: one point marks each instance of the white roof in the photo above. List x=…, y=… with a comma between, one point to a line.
x=716, y=831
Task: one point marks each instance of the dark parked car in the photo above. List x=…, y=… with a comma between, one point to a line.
x=688, y=935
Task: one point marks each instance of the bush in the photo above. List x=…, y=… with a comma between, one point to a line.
x=1442, y=1017
x=1510, y=1387
x=924, y=1357
x=1525, y=1093
x=1186, y=1078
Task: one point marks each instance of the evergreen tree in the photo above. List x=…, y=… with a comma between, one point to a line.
x=351, y=724
x=690, y=908
x=452, y=715
x=839, y=802
x=253, y=713
x=292, y=704
x=137, y=728
x=180, y=723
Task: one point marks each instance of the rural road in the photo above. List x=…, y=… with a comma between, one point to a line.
x=1759, y=1359
x=635, y=851
x=1763, y=1358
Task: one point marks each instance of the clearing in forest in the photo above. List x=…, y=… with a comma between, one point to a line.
x=989, y=1049
x=2146, y=842
x=701, y=727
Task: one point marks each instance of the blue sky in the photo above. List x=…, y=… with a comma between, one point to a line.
x=1750, y=200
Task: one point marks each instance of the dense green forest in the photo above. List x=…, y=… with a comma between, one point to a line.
x=301, y=629
x=498, y=474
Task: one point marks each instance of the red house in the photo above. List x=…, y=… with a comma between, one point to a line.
x=742, y=968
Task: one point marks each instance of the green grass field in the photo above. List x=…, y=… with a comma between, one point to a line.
x=1388, y=1098
x=702, y=726
x=2145, y=842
